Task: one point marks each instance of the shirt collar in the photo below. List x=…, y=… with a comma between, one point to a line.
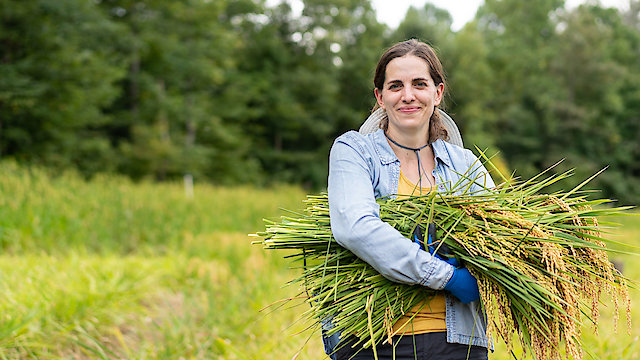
x=387, y=156
x=441, y=152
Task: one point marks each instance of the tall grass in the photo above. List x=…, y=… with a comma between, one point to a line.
x=136, y=307
x=42, y=213
x=112, y=269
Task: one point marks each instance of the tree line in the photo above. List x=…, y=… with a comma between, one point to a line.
x=237, y=91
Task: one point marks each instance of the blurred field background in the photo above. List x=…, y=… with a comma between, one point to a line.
x=113, y=269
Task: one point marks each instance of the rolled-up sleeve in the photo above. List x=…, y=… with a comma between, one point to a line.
x=356, y=223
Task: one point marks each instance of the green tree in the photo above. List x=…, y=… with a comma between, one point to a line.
x=60, y=65
x=471, y=90
x=355, y=42
x=271, y=83
x=562, y=87
x=179, y=59
x=305, y=80
x=521, y=43
x=429, y=23
x=599, y=119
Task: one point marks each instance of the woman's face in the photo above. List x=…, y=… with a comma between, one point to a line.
x=409, y=94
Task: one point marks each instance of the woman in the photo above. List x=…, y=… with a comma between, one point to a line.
x=408, y=155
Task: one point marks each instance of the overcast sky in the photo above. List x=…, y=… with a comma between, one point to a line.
x=392, y=12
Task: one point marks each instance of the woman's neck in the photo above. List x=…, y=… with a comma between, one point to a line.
x=416, y=158
x=411, y=139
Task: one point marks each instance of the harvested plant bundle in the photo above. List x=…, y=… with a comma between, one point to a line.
x=540, y=261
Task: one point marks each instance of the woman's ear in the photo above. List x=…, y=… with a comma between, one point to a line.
x=439, y=92
x=378, y=95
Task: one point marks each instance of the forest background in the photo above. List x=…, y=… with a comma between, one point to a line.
x=235, y=91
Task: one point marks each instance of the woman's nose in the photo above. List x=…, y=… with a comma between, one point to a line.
x=407, y=94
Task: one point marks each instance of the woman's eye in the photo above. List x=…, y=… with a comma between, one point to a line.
x=422, y=84
x=394, y=86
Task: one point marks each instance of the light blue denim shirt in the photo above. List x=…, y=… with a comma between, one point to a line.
x=363, y=168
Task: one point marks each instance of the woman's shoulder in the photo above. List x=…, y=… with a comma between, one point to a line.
x=350, y=135
x=356, y=139
x=355, y=136
x=369, y=145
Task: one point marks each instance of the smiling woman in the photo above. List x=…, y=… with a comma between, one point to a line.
x=409, y=88
x=409, y=93
x=408, y=155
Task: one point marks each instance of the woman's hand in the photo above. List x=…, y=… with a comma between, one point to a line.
x=463, y=286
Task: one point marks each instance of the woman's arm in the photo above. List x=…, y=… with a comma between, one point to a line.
x=356, y=224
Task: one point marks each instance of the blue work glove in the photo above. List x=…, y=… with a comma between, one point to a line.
x=463, y=286
x=443, y=253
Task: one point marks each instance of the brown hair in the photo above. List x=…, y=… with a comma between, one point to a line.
x=426, y=53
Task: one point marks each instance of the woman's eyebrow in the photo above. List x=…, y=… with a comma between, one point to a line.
x=400, y=81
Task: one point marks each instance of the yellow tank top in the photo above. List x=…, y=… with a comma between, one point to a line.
x=428, y=316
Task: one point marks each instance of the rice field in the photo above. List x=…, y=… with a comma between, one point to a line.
x=110, y=269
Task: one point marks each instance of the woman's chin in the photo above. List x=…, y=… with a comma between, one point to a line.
x=407, y=123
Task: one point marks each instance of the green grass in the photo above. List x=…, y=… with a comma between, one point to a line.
x=160, y=307
x=40, y=213
x=112, y=269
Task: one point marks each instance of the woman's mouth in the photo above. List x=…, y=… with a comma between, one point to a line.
x=409, y=109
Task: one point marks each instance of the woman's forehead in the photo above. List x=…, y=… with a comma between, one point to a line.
x=407, y=67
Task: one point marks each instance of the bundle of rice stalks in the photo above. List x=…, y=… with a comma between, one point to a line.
x=540, y=260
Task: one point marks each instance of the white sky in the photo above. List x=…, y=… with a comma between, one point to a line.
x=392, y=12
